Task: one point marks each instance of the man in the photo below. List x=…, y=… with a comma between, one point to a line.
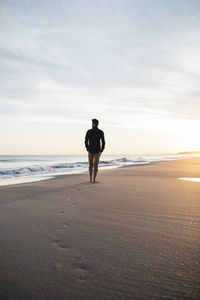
x=95, y=144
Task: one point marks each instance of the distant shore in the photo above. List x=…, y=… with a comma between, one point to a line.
x=133, y=235
x=189, y=152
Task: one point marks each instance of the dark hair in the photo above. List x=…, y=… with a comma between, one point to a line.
x=95, y=121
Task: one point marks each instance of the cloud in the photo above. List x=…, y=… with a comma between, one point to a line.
x=126, y=60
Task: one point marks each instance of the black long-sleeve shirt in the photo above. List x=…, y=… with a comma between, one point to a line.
x=94, y=140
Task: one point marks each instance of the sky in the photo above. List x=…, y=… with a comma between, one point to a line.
x=132, y=64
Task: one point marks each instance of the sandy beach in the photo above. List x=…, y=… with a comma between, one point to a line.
x=133, y=235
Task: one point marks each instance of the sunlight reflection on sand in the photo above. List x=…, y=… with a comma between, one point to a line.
x=190, y=179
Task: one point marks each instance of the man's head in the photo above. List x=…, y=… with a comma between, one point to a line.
x=95, y=123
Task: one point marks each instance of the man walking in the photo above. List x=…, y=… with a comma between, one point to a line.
x=95, y=144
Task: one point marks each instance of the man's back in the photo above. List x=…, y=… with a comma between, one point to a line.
x=94, y=140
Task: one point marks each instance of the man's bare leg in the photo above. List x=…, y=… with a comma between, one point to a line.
x=90, y=172
x=90, y=158
x=96, y=162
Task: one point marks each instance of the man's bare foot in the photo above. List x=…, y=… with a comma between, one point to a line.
x=94, y=181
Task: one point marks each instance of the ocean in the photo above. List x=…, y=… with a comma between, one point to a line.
x=16, y=169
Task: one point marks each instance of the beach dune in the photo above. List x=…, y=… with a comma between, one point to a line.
x=133, y=235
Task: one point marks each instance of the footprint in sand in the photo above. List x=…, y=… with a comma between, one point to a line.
x=58, y=267
x=60, y=244
x=66, y=225
x=57, y=242
x=81, y=193
x=81, y=268
x=61, y=212
x=71, y=201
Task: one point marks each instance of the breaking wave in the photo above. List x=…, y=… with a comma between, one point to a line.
x=63, y=167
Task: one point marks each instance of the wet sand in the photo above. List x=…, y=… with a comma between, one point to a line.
x=133, y=235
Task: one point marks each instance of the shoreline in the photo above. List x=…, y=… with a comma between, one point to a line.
x=51, y=176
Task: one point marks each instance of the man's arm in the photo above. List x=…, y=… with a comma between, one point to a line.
x=86, y=141
x=102, y=142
